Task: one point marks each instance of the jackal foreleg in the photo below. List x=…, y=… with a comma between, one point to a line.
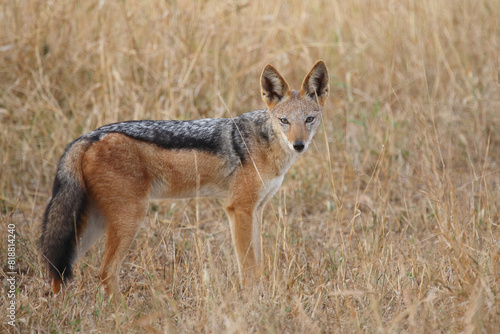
x=243, y=220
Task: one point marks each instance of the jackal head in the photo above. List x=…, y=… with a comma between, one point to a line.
x=295, y=116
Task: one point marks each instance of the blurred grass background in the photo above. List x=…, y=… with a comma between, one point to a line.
x=389, y=223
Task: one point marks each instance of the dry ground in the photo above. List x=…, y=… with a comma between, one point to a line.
x=389, y=223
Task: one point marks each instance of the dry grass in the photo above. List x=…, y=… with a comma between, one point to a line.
x=389, y=223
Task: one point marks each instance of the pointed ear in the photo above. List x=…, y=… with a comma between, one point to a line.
x=274, y=88
x=315, y=84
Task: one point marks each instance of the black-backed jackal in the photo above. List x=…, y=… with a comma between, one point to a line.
x=105, y=178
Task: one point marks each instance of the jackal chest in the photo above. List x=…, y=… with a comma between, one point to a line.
x=273, y=186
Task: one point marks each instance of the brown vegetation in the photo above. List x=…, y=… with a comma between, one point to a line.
x=389, y=223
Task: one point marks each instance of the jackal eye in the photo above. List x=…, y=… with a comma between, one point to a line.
x=309, y=119
x=283, y=120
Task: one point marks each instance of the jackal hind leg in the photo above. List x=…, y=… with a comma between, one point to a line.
x=117, y=182
x=122, y=228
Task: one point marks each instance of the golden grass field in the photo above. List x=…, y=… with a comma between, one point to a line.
x=387, y=224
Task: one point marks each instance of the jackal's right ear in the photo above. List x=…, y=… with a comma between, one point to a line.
x=273, y=87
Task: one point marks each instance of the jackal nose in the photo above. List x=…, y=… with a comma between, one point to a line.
x=298, y=146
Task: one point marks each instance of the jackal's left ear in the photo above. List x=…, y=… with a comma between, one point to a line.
x=315, y=84
x=273, y=87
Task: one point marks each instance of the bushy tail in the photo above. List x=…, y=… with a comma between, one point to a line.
x=64, y=215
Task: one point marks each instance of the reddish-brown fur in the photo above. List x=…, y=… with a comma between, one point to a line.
x=120, y=174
